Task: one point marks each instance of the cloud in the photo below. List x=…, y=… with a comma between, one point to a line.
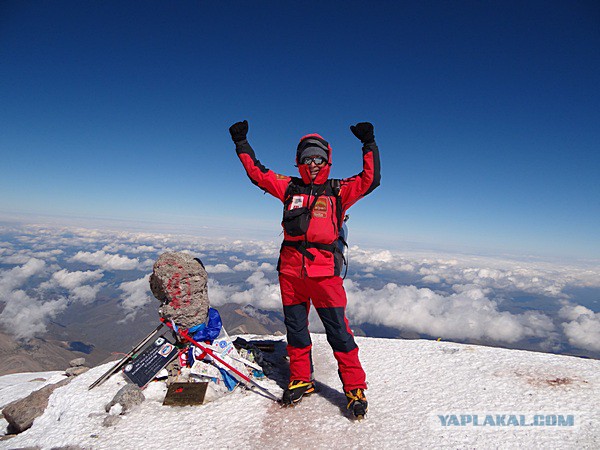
x=106, y=261
x=136, y=295
x=218, y=268
x=541, y=278
x=75, y=284
x=16, y=258
x=248, y=266
x=15, y=277
x=582, y=326
x=129, y=248
x=372, y=258
x=465, y=315
x=262, y=293
x=85, y=294
x=72, y=280
x=24, y=316
x=147, y=264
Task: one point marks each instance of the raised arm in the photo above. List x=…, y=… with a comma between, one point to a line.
x=354, y=188
x=262, y=177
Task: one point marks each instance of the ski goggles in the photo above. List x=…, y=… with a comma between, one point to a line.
x=318, y=160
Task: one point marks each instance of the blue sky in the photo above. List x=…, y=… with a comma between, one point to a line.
x=486, y=114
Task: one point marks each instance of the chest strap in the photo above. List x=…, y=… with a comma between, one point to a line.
x=302, y=247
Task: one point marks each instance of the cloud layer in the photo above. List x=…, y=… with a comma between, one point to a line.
x=46, y=269
x=468, y=314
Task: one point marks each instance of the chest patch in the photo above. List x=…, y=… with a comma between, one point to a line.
x=320, y=209
x=297, y=202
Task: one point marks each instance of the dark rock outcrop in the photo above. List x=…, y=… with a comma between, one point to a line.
x=20, y=414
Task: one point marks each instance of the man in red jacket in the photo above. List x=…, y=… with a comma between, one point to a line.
x=310, y=260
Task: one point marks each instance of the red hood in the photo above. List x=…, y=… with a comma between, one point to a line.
x=304, y=170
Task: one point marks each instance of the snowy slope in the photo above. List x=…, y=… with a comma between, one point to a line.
x=410, y=383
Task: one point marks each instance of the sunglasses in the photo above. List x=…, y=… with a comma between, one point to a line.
x=318, y=160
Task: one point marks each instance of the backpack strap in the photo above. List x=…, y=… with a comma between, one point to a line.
x=336, y=187
x=290, y=190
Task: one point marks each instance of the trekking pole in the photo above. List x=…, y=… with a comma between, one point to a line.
x=209, y=351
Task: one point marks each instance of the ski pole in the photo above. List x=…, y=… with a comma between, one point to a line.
x=209, y=351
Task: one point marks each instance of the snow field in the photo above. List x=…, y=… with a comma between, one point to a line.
x=410, y=382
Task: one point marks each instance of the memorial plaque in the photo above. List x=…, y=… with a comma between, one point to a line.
x=185, y=394
x=152, y=358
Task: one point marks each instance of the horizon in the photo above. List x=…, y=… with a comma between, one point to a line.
x=267, y=230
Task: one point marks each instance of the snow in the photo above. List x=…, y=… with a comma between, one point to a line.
x=19, y=385
x=410, y=383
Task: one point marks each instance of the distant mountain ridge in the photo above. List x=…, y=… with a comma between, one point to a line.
x=97, y=335
x=37, y=355
x=250, y=320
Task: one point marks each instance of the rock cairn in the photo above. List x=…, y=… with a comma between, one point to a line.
x=76, y=367
x=179, y=281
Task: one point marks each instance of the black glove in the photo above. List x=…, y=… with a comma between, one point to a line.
x=239, y=131
x=364, y=132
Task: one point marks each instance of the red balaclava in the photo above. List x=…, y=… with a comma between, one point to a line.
x=313, y=141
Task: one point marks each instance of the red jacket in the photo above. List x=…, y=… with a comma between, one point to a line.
x=313, y=253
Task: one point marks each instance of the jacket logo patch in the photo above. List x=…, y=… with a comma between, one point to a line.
x=281, y=177
x=297, y=202
x=320, y=209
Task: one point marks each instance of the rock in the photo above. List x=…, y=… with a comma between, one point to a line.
x=77, y=362
x=110, y=420
x=20, y=414
x=74, y=371
x=178, y=281
x=128, y=396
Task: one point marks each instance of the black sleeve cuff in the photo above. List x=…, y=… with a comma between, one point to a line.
x=243, y=147
x=369, y=146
